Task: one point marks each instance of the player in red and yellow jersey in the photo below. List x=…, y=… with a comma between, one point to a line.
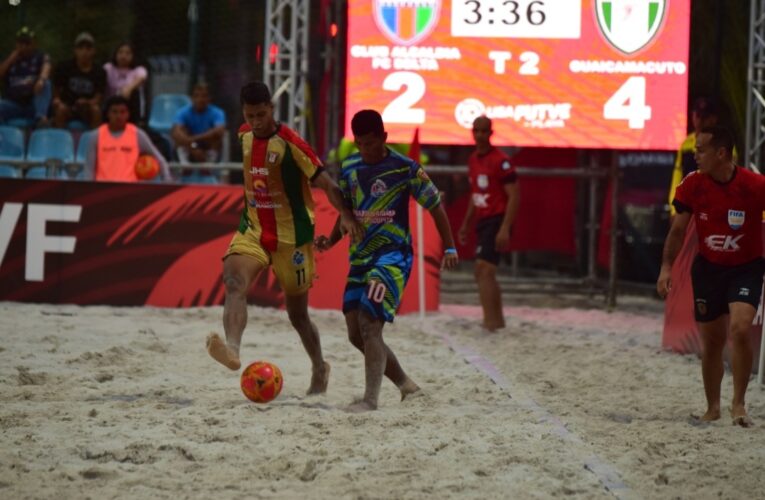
x=726, y=203
x=276, y=229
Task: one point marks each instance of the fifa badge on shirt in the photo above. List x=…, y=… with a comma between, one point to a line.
x=298, y=258
x=483, y=181
x=505, y=165
x=273, y=156
x=736, y=219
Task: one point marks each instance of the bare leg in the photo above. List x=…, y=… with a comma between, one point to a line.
x=238, y=273
x=297, y=309
x=741, y=317
x=490, y=295
x=393, y=369
x=713, y=334
x=374, y=361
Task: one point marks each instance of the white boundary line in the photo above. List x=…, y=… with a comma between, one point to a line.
x=606, y=473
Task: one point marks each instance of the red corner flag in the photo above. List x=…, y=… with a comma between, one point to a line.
x=414, y=148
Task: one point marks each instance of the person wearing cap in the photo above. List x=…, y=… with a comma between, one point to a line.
x=25, y=76
x=79, y=86
x=704, y=113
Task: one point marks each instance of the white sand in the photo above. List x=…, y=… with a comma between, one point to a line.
x=104, y=402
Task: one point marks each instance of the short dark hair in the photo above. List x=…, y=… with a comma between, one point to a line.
x=115, y=100
x=133, y=63
x=367, y=121
x=255, y=93
x=721, y=138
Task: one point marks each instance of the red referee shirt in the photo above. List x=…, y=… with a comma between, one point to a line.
x=488, y=175
x=728, y=215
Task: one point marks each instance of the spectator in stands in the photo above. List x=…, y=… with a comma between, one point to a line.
x=79, y=85
x=118, y=144
x=26, y=86
x=199, y=128
x=125, y=77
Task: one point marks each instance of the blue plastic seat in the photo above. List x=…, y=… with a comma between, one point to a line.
x=11, y=143
x=196, y=178
x=84, y=144
x=20, y=122
x=163, y=110
x=8, y=171
x=76, y=125
x=50, y=144
x=36, y=173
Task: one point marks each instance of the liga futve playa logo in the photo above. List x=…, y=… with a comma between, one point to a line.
x=405, y=22
x=630, y=25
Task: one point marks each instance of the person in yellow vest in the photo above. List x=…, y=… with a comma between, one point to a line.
x=116, y=146
x=704, y=113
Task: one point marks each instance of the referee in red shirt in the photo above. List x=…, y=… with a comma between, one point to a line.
x=494, y=202
x=726, y=202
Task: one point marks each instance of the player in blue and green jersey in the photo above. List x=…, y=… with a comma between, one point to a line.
x=377, y=183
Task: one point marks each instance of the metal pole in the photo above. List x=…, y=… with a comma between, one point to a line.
x=592, y=224
x=613, y=268
x=750, y=134
x=420, y=262
x=193, y=15
x=761, y=367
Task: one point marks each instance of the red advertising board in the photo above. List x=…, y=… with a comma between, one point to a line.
x=152, y=244
x=559, y=73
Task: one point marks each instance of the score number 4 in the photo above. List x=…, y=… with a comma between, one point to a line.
x=628, y=103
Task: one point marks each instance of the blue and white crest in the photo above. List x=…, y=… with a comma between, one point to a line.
x=629, y=25
x=298, y=258
x=405, y=22
x=736, y=219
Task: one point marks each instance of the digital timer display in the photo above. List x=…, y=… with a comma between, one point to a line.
x=558, y=73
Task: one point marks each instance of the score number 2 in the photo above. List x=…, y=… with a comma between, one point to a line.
x=401, y=109
x=628, y=103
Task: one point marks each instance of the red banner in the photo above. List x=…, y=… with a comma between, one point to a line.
x=151, y=244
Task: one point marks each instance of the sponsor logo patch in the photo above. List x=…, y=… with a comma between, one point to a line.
x=379, y=188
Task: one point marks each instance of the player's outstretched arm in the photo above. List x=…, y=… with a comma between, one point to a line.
x=348, y=224
x=451, y=259
x=324, y=243
x=672, y=246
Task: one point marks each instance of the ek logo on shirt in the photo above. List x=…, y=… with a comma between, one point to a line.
x=481, y=200
x=736, y=219
x=723, y=243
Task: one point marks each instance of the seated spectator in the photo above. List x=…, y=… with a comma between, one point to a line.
x=26, y=86
x=125, y=77
x=199, y=128
x=113, y=153
x=79, y=85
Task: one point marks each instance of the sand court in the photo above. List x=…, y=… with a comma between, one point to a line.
x=108, y=402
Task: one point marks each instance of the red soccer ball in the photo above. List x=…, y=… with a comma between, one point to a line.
x=261, y=381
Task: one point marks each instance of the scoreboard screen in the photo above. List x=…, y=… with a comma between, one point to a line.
x=554, y=73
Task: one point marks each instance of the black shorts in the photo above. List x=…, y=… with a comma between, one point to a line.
x=715, y=286
x=486, y=247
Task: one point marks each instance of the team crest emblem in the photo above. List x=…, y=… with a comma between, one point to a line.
x=378, y=188
x=736, y=219
x=273, y=156
x=482, y=181
x=629, y=25
x=298, y=258
x=405, y=22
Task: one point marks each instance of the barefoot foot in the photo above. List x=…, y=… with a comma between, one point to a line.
x=711, y=415
x=360, y=406
x=740, y=417
x=319, y=380
x=408, y=388
x=221, y=353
